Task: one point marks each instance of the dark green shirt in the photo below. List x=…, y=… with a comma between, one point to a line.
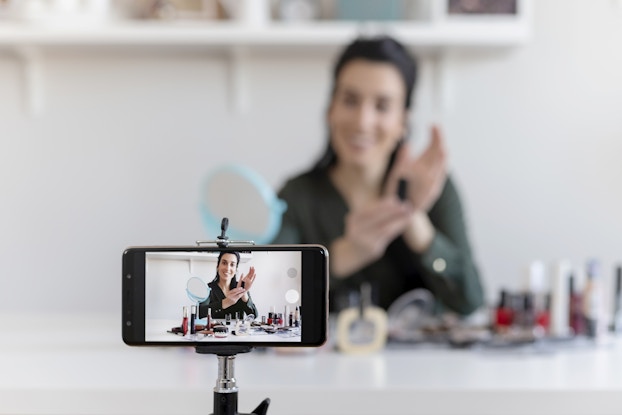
x=316, y=214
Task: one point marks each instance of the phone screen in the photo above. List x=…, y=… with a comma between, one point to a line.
x=252, y=295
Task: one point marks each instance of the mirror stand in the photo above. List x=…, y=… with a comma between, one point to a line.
x=226, y=391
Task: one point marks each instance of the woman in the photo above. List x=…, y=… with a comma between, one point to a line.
x=348, y=201
x=227, y=295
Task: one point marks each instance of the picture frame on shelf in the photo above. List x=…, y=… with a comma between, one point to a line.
x=482, y=7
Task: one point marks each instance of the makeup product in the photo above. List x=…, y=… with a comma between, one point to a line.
x=210, y=323
x=528, y=318
x=504, y=314
x=577, y=323
x=362, y=329
x=271, y=316
x=291, y=319
x=221, y=331
x=593, y=301
x=237, y=318
x=228, y=319
x=297, y=317
x=560, y=304
x=184, y=322
x=193, y=316
x=616, y=325
x=543, y=315
x=286, y=316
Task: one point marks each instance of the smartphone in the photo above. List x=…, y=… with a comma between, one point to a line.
x=172, y=295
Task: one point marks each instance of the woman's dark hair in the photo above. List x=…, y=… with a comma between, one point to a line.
x=237, y=255
x=382, y=49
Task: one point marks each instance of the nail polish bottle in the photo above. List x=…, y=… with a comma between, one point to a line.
x=504, y=315
x=543, y=314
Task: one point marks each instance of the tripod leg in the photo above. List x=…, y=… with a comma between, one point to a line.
x=262, y=409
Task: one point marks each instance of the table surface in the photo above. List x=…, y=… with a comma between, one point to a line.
x=79, y=365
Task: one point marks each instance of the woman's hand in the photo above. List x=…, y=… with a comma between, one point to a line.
x=246, y=282
x=368, y=232
x=233, y=296
x=425, y=174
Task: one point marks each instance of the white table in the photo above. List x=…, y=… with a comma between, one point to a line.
x=79, y=365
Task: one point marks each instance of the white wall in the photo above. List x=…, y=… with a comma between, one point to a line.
x=117, y=157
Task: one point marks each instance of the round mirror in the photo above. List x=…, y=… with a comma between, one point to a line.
x=241, y=195
x=197, y=289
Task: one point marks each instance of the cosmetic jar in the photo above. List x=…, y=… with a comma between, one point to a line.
x=221, y=331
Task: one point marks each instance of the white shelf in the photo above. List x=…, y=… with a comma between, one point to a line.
x=436, y=37
x=447, y=34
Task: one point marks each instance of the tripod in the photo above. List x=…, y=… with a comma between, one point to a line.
x=226, y=391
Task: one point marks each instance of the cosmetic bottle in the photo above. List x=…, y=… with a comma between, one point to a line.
x=228, y=319
x=210, y=323
x=593, y=301
x=543, y=314
x=193, y=317
x=184, y=322
x=297, y=317
x=560, y=306
x=362, y=328
x=576, y=313
x=271, y=316
x=528, y=320
x=504, y=315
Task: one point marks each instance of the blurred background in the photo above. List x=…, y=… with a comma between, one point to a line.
x=113, y=112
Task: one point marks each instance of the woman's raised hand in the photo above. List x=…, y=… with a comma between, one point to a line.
x=425, y=174
x=246, y=281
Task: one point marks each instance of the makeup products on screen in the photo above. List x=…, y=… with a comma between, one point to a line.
x=210, y=323
x=193, y=316
x=297, y=317
x=271, y=316
x=184, y=322
x=221, y=331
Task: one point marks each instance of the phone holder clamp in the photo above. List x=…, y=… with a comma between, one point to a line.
x=222, y=240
